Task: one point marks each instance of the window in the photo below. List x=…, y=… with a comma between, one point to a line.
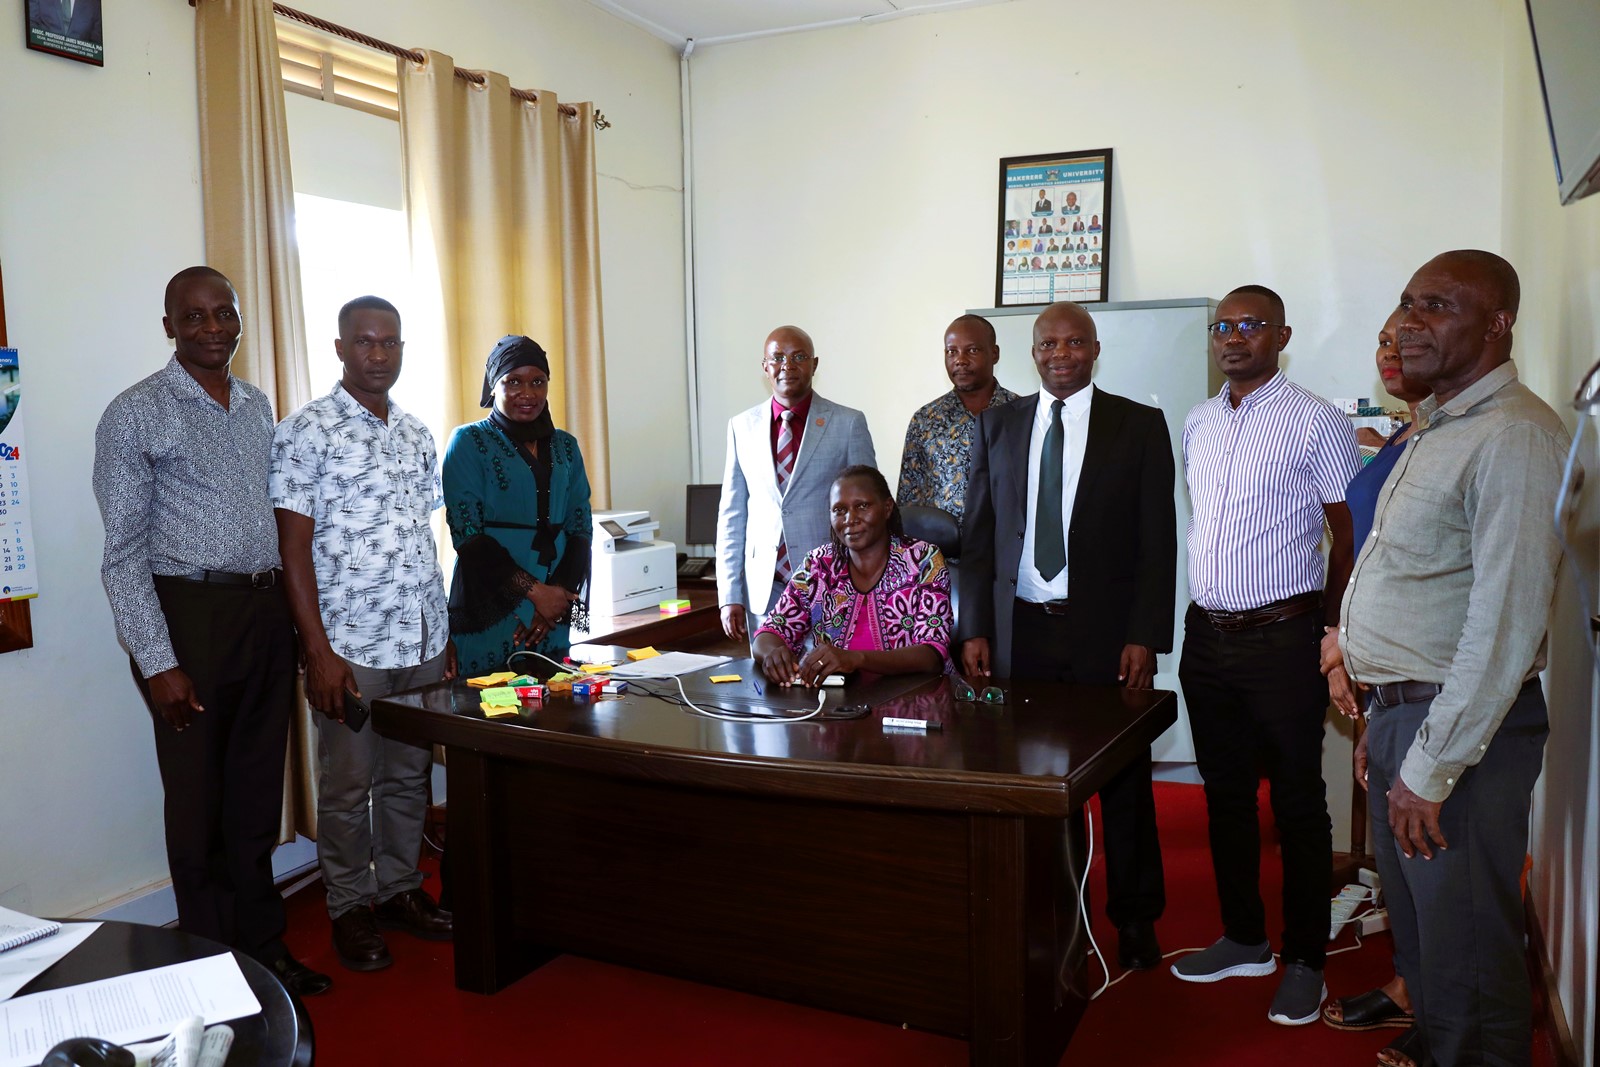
x=338, y=71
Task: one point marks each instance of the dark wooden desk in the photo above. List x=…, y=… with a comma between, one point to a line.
x=701, y=625
x=280, y=1036
x=918, y=879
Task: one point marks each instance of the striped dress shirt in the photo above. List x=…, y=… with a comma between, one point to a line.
x=1258, y=477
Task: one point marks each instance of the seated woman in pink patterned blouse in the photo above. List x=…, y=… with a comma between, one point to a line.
x=871, y=599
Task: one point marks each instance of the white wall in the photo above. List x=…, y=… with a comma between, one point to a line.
x=1557, y=253
x=846, y=179
x=99, y=205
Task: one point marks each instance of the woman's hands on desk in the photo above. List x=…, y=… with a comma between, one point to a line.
x=778, y=662
x=828, y=659
x=775, y=659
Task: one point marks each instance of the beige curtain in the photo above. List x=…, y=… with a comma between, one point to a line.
x=500, y=198
x=249, y=220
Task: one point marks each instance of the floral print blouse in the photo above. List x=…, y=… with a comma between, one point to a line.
x=910, y=604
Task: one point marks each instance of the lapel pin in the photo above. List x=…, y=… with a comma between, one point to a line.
x=821, y=421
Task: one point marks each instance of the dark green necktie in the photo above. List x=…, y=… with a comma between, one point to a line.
x=1049, y=533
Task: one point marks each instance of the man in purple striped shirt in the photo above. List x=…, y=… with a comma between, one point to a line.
x=1267, y=464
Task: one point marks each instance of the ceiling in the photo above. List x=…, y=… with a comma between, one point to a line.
x=719, y=21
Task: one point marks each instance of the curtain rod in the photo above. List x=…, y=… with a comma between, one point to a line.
x=600, y=121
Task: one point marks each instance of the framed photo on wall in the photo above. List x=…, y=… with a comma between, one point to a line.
x=69, y=28
x=1055, y=228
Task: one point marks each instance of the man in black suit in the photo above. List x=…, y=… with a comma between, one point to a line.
x=1043, y=203
x=1105, y=461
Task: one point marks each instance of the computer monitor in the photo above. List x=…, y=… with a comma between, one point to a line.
x=700, y=523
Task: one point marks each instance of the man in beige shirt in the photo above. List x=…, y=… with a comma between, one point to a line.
x=1443, y=622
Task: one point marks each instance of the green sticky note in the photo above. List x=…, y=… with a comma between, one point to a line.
x=502, y=697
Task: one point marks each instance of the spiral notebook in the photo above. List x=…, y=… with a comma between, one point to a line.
x=17, y=929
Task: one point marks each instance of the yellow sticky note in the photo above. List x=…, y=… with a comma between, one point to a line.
x=642, y=653
x=596, y=668
x=725, y=678
x=499, y=712
x=505, y=697
x=488, y=680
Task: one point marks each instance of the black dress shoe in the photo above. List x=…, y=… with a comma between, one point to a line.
x=1137, y=948
x=414, y=912
x=357, y=941
x=299, y=979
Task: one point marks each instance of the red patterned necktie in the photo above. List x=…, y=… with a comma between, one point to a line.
x=783, y=466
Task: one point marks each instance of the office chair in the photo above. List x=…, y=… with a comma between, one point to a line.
x=937, y=527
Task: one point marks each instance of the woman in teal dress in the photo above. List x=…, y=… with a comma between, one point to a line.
x=517, y=500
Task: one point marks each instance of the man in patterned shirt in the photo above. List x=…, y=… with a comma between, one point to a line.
x=354, y=480
x=191, y=570
x=933, y=466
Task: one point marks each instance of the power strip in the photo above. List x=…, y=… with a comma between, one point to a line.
x=1344, y=905
x=1373, y=922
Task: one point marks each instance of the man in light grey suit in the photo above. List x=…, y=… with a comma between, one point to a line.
x=783, y=455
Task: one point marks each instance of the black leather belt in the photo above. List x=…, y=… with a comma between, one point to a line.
x=1391, y=694
x=1049, y=607
x=258, y=580
x=1277, y=611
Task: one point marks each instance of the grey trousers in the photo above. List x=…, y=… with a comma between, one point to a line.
x=1457, y=918
x=372, y=798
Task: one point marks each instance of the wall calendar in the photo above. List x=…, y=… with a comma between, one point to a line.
x=18, y=578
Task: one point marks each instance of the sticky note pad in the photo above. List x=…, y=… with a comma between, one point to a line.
x=724, y=677
x=496, y=712
x=503, y=697
x=488, y=680
x=674, y=607
x=596, y=668
x=642, y=653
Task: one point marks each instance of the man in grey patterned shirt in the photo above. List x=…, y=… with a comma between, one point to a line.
x=190, y=568
x=354, y=481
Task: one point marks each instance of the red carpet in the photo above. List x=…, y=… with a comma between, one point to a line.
x=575, y=1012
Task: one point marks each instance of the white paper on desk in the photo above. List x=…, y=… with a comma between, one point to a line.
x=134, y=1007
x=668, y=663
x=23, y=964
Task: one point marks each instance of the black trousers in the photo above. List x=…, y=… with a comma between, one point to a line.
x=223, y=775
x=1065, y=648
x=1257, y=702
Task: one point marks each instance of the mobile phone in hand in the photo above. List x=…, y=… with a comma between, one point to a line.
x=355, y=711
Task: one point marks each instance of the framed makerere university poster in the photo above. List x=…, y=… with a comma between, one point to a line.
x=69, y=28
x=1054, y=228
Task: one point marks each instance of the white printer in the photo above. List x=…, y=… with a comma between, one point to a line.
x=630, y=569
